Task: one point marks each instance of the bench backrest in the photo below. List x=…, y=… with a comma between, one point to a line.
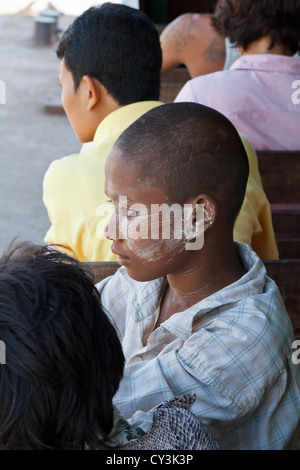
x=280, y=174
x=289, y=248
x=171, y=83
x=286, y=274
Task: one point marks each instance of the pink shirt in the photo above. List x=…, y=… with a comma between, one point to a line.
x=260, y=94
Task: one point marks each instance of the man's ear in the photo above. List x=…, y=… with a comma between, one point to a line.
x=93, y=88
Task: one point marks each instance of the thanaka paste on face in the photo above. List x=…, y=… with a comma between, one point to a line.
x=146, y=225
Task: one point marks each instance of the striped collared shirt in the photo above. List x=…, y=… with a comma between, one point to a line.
x=233, y=349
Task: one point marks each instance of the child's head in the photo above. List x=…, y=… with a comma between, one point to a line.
x=64, y=360
x=117, y=45
x=179, y=153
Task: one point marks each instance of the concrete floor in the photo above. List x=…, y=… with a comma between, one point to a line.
x=30, y=138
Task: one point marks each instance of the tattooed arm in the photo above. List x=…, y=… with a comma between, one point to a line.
x=191, y=40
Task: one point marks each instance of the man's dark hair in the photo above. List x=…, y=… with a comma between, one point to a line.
x=245, y=21
x=119, y=46
x=188, y=149
x=64, y=360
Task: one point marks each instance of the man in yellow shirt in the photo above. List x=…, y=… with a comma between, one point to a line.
x=110, y=75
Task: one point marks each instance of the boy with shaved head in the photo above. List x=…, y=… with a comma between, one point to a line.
x=207, y=320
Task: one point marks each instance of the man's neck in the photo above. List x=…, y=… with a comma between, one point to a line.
x=262, y=46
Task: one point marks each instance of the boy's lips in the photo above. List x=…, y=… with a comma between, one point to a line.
x=123, y=259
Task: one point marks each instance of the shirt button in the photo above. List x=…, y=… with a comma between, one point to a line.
x=138, y=359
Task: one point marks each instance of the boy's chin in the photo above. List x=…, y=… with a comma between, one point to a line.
x=142, y=276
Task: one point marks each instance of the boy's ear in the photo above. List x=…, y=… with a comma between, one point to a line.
x=94, y=91
x=210, y=209
x=198, y=219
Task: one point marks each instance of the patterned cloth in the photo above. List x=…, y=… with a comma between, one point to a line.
x=173, y=427
x=233, y=349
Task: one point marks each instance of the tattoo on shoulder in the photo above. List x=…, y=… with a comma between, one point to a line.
x=215, y=51
x=183, y=35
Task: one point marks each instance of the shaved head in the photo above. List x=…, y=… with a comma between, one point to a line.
x=188, y=149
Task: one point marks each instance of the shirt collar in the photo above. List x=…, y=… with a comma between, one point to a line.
x=146, y=296
x=121, y=118
x=267, y=63
x=181, y=324
x=251, y=283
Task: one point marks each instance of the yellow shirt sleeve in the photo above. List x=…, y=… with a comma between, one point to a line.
x=73, y=193
x=254, y=223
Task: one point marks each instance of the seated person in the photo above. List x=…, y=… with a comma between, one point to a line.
x=192, y=41
x=100, y=104
x=64, y=362
x=256, y=92
x=205, y=320
x=110, y=75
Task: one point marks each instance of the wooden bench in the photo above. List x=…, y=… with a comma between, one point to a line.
x=171, y=83
x=286, y=220
x=280, y=174
x=289, y=248
x=286, y=274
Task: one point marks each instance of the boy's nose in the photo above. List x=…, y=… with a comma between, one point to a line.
x=112, y=230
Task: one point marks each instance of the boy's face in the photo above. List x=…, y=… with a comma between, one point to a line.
x=73, y=102
x=139, y=235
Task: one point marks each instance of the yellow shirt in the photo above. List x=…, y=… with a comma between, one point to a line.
x=73, y=193
x=73, y=190
x=254, y=223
